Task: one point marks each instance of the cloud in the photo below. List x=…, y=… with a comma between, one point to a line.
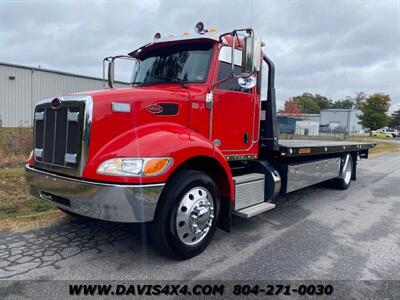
x=334, y=48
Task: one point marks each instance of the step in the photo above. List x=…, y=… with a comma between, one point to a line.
x=248, y=177
x=249, y=190
x=253, y=210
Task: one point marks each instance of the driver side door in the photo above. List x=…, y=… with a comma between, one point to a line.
x=233, y=112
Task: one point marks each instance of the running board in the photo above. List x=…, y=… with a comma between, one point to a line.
x=251, y=211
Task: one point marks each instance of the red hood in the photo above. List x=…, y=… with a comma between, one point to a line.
x=153, y=90
x=107, y=125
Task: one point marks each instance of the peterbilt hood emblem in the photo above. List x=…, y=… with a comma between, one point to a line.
x=55, y=103
x=155, y=109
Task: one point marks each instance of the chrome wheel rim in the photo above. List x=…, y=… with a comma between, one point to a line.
x=195, y=216
x=347, y=176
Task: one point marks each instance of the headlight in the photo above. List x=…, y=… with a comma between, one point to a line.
x=135, y=166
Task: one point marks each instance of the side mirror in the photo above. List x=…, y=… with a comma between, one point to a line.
x=247, y=82
x=110, y=77
x=127, y=69
x=251, y=55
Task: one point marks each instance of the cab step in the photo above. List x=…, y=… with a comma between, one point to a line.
x=253, y=210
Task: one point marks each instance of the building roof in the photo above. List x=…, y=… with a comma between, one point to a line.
x=310, y=115
x=48, y=70
x=339, y=109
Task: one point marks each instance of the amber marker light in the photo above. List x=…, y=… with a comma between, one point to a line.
x=155, y=166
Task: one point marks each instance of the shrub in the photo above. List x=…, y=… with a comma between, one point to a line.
x=15, y=145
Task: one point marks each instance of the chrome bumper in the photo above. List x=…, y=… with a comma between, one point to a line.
x=110, y=202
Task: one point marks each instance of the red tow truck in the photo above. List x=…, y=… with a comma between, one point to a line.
x=192, y=141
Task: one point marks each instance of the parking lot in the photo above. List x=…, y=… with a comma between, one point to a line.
x=316, y=233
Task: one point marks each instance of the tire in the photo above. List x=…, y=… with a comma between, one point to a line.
x=173, y=231
x=344, y=183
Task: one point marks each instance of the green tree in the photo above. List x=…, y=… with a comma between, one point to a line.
x=359, y=100
x=307, y=104
x=374, y=111
x=395, y=119
x=346, y=103
x=323, y=102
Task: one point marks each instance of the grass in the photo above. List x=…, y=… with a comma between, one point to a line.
x=15, y=146
x=14, y=198
x=381, y=147
x=16, y=204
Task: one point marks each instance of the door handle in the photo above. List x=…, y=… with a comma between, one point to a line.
x=209, y=100
x=246, y=138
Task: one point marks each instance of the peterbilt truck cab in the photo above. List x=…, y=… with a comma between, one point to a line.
x=190, y=142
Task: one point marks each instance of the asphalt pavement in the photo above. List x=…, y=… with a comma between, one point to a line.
x=315, y=233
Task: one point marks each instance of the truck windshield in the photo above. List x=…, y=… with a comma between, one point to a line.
x=178, y=63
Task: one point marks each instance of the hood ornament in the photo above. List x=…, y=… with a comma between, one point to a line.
x=56, y=103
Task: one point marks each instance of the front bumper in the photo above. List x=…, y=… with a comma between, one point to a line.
x=110, y=202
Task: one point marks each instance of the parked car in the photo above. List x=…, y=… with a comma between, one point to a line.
x=385, y=132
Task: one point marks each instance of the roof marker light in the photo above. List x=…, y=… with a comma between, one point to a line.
x=200, y=28
x=157, y=36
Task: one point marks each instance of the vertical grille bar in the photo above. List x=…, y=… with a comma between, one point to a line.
x=54, y=136
x=60, y=137
x=44, y=129
x=49, y=136
x=66, y=137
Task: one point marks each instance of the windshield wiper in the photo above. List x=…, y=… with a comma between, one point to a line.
x=138, y=83
x=182, y=82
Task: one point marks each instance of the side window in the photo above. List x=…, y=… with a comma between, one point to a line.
x=231, y=84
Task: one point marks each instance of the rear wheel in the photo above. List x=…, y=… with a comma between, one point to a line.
x=187, y=215
x=343, y=181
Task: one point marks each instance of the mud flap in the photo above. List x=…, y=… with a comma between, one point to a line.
x=225, y=218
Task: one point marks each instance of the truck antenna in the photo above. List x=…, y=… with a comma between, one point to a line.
x=251, y=13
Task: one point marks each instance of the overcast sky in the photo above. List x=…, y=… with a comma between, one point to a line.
x=334, y=48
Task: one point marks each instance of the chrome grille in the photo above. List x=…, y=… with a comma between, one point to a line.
x=61, y=135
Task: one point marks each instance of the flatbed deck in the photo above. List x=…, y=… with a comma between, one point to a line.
x=293, y=148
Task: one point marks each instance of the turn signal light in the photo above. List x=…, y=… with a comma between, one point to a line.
x=155, y=166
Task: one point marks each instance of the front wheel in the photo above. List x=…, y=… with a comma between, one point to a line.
x=187, y=215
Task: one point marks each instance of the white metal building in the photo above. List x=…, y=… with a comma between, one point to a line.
x=21, y=87
x=346, y=118
x=307, y=128
x=311, y=117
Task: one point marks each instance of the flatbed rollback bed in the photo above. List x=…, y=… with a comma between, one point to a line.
x=301, y=148
x=302, y=163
